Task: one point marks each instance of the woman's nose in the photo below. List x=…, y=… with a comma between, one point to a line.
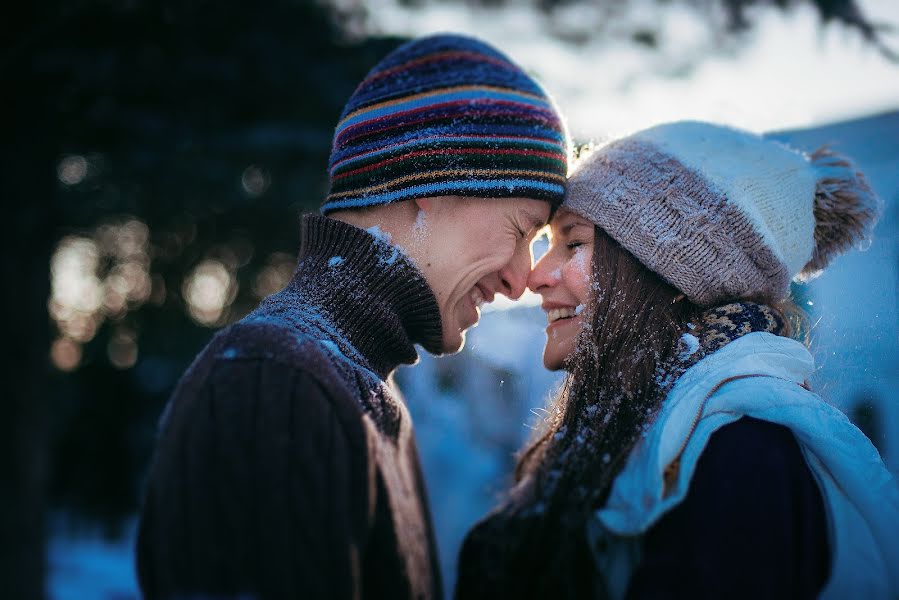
x=544, y=274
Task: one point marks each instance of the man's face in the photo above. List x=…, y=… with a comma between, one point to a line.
x=471, y=249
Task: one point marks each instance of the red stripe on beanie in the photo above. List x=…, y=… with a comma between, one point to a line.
x=552, y=155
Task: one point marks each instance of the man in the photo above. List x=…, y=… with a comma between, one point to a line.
x=286, y=464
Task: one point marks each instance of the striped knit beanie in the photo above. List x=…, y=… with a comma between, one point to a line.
x=723, y=214
x=447, y=115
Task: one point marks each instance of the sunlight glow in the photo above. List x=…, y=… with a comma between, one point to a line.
x=77, y=292
x=208, y=290
x=788, y=72
x=96, y=278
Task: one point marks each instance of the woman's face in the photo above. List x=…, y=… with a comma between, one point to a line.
x=562, y=277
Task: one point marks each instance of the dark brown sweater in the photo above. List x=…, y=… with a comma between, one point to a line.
x=286, y=465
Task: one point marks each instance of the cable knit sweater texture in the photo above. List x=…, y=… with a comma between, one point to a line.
x=286, y=465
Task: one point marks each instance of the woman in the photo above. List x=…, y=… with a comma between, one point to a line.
x=685, y=455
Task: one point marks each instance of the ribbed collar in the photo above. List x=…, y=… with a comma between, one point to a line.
x=367, y=292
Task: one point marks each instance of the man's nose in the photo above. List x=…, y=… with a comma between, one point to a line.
x=514, y=276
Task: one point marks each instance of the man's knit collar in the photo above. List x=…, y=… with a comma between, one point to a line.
x=363, y=293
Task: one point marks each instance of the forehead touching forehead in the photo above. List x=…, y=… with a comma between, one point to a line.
x=531, y=213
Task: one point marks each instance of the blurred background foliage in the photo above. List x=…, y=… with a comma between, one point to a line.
x=581, y=21
x=157, y=156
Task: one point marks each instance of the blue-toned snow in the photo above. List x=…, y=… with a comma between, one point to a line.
x=691, y=345
x=854, y=304
x=86, y=566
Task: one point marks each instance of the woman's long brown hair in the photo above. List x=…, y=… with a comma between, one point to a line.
x=634, y=320
x=616, y=381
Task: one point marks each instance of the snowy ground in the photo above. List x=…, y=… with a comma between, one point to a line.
x=854, y=303
x=89, y=567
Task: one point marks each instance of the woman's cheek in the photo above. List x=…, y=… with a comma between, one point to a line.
x=579, y=271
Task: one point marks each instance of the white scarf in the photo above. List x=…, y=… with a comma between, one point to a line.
x=861, y=496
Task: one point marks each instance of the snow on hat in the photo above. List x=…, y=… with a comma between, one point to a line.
x=721, y=213
x=447, y=115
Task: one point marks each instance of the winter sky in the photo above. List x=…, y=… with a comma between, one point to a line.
x=788, y=72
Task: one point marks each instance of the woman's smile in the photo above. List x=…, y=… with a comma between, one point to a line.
x=562, y=276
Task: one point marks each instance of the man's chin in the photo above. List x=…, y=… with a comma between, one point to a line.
x=453, y=344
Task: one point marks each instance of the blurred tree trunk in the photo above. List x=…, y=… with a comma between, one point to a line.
x=29, y=193
x=23, y=430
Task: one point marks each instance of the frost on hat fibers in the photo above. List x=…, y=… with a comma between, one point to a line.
x=447, y=115
x=720, y=213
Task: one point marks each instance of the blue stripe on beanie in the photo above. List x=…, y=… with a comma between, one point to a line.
x=446, y=115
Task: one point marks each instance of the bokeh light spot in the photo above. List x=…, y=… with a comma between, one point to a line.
x=99, y=277
x=72, y=170
x=65, y=354
x=77, y=292
x=209, y=289
x=122, y=349
x=255, y=181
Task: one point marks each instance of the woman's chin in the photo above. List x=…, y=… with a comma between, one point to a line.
x=553, y=360
x=559, y=346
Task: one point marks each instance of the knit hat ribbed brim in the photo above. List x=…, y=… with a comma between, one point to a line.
x=447, y=115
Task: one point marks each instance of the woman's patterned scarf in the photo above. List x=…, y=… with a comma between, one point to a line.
x=718, y=327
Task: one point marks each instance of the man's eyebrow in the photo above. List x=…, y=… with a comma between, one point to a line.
x=536, y=221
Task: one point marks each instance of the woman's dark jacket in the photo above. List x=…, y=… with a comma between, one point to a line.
x=753, y=525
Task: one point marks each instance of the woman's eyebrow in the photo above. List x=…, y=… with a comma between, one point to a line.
x=566, y=229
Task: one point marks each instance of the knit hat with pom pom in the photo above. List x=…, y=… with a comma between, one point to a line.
x=723, y=214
